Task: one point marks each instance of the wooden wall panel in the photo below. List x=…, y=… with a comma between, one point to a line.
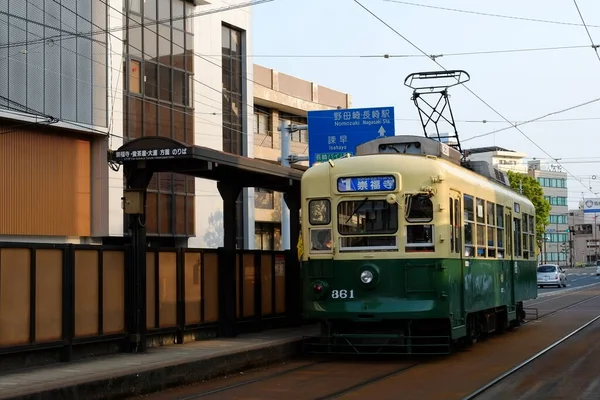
x=48, y=295
x=14, y=296
x=45, y=184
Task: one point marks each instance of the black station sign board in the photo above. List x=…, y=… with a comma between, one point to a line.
x=153, y=154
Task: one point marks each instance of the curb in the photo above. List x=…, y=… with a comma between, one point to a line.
x=166, y=376
x=573, y=289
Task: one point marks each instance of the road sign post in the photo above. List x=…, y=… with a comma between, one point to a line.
x=334, y=133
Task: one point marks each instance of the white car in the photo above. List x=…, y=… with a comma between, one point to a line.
x=551, y=274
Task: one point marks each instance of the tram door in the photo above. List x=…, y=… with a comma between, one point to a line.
x=507, y=265
x=457, y=305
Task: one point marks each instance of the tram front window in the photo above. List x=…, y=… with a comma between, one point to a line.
x=368, y=217
x=371, y=224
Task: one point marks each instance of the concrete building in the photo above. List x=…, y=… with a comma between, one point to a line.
x=278, y=97
x=501, y=158
x=585, y=237
x=84, y=77
x=554, y=183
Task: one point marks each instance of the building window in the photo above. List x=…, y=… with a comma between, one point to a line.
x=158, y=103
x=135, y=85
x=558, y=219
x=267, y=236
x=232, y=90
x=135, y=6
x=556, y=200
x=553, y=182
x=262, y=121
x=264, y=199
x=300, y=136
x=557, y=237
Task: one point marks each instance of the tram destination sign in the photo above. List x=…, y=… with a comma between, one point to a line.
x=153, y=154
x=334, y=133
x=367, y=184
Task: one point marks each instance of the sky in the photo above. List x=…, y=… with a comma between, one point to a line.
x=322, y=41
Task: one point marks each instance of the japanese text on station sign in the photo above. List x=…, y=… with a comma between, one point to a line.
x=367, y=184
x=156, y=153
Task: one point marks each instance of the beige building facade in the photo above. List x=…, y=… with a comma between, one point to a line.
x=278, y=97
x=585, y=237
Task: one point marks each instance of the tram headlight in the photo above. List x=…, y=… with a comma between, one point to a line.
x=366, y=277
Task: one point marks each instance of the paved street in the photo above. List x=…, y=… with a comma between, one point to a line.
x=576, y=277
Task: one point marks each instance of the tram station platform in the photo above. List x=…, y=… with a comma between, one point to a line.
x=122, y=375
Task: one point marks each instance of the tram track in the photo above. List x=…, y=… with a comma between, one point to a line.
x=324, y=379
x=566, y=307
x=577, y=291
x=251, y=381
x=349, y=376
x=486, y=388
x=368, y=382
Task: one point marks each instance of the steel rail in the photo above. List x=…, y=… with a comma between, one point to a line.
x=367, y=382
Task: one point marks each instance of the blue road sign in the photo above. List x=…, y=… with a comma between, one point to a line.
x=334, y=133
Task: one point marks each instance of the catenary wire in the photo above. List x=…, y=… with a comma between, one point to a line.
x=594, y=46
x=145, y=23
x=483, y=121
x=418, y=55
x=469, y=53
x=489, y=14
x=514, y=125
x=465, y=86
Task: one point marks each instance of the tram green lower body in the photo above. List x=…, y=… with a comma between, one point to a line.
x=441, y=299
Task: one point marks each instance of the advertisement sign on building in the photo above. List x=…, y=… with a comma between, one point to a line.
x=591, y=206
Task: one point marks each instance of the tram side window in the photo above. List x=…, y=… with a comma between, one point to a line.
x=491, y=229
x=469, y=216
x=480, y=216
x=500, y=229
x=419, y=209
x=525, y=235
x=517, y=236
x=531, y=236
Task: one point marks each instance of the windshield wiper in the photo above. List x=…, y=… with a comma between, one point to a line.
x=356, y=209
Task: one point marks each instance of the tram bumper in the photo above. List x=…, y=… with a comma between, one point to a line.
x=394, y=326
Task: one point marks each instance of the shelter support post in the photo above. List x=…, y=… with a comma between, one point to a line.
x=134, y=206
x=227, y=260
x=293, y=288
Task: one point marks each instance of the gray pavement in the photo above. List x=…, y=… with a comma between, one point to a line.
x=124, y=375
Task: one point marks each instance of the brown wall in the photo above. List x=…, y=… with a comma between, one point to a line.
x=45, y=185
x=96, y=275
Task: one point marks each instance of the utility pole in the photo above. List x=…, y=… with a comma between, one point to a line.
x=595, y=227
x=286, y=159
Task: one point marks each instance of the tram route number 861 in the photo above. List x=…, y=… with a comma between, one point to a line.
x=342, y=294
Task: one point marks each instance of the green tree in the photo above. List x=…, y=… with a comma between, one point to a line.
x=534, y=192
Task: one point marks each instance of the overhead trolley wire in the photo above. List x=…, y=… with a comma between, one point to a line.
x=514, y=125
x=136, y=24
x=594, y=46
x=545, y=21
x=467, y=88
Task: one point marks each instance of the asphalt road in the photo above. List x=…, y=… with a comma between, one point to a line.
x=576, y=277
